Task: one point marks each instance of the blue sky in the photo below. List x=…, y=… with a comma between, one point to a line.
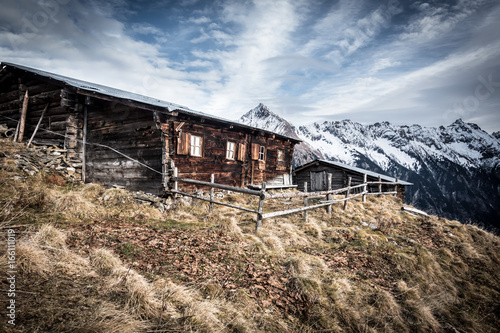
x=400, y=61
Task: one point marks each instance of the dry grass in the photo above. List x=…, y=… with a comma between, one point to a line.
x=370, y=268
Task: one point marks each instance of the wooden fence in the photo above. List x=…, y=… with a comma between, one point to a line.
x=351, y=192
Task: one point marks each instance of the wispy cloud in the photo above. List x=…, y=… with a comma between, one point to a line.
x=357, y=59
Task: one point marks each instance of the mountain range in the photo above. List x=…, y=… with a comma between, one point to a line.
x=455, y=169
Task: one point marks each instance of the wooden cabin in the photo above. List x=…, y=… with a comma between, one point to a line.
x=114, y=137
x=315, y=173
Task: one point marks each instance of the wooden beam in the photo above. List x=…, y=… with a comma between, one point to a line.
x=84, y=145
x=37, y=125
x=215, y=185
x=22, y=122
x=129, y=102
x=215, y=202
x=348, y=191
x=260, y=210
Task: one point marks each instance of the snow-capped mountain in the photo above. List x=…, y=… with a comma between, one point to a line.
x=262, y=117
x=455, y=169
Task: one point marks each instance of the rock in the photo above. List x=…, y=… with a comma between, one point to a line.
x=70, y=171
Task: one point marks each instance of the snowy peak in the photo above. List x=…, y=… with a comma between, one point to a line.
x=454, y=168
x=263, y=118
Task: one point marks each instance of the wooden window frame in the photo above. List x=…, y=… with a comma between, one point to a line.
x=281, y=156
x=194, y=146
x=262, y=153
x=231, y=150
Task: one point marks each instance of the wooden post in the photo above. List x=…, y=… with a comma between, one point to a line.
x=84, y=139
x=379, y=184
x=396, y=187
x=347, y=192
x=329, y=196
x=260, y=210
x=22, y=121
x=365, y=188
x=306, y=201
x=37, y=126
x=16, y=133
x=176, y=172
x=212, y=180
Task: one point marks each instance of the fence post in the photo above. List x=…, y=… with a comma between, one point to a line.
x=329, y=195
x=175, y=181
x=379, y=185
x=306, y=201
x=212, y=180
x=261, y=206
x=396, y=187
x=347, y=192
x=365, y=188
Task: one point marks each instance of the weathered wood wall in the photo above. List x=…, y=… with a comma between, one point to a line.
x=62, y=122
x=12, y=89
x=241, y=171
x=73, y=117
x=133, y=133
x=316, y=178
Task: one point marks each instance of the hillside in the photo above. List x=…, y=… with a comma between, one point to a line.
x=455, y=169
x=91, y=259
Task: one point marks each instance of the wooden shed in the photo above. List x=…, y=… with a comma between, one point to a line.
x=114, y=137
x=315, y=173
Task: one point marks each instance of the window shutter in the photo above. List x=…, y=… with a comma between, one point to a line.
x=242, y=150
x=255, y=151
x=183, y=143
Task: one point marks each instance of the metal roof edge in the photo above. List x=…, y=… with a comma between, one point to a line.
x=352, y=168
x=146, y=100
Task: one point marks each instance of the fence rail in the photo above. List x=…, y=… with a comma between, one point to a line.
x=263, y=195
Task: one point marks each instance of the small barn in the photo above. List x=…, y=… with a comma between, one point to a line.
x=315, y=173
x=114, y=137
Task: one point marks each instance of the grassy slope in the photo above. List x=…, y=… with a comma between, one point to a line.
x=94, y=260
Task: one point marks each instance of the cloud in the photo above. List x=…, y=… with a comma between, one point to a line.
x=305, y=59
x=199, y=20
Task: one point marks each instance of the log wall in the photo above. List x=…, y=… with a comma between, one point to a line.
x=133, y=133
x=240, y=171
x=316, y=178
x=53, y=127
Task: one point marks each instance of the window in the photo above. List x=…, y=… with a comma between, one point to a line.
x=230, y=150
x=196, y=145
x=262, y=153
x=281, y=157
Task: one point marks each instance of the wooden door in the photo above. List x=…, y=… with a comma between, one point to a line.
x=318, y=181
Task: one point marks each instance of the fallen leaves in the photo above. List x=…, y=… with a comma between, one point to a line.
x=196, y=256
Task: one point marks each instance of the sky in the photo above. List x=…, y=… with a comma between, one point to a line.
x=406, y=62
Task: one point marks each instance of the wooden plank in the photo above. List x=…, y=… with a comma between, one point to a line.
x=381, y=193
x=215, y=202
x=414, y=210
x=347, y=192
x=84, y=139
x=215, y=185
x=22, y=122
x=306, y=201
x=37, y=126
x=365, y=187
x=212, y=180
x=260, y=210
x=329, y=196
